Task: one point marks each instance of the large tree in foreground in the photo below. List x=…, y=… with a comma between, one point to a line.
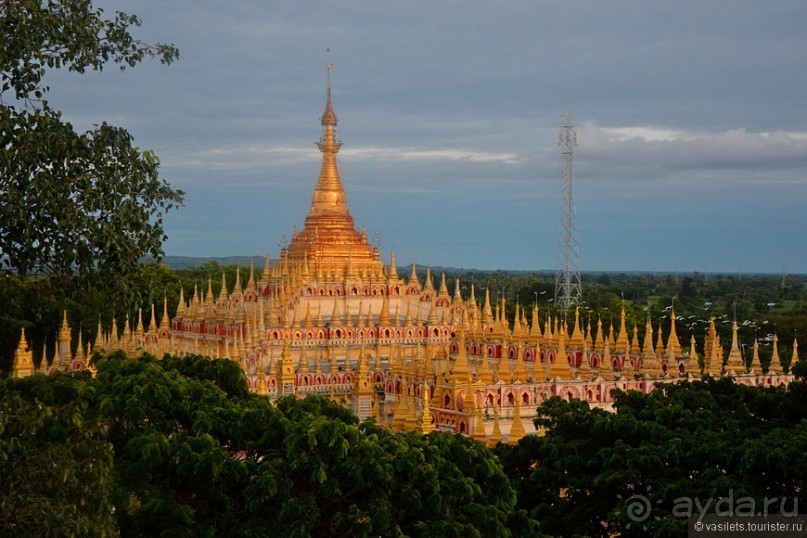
x=71, y=202
x=685, y=449
x=180, y=447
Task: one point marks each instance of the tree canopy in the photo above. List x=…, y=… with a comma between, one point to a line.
x=180, y=446
x=631, y=472
x=72, y=203
x=185, y=448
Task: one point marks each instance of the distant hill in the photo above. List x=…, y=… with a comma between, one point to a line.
x=183, y=262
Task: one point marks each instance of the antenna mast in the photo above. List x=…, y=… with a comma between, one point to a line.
x=567, y=281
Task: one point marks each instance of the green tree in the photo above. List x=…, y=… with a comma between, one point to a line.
x=198, y=454
x=54, y=459
x=72, y=203
x=703, y=440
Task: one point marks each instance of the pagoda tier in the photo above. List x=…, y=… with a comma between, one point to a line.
x=329, y=238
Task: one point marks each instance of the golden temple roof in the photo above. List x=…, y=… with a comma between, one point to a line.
x=329, y=232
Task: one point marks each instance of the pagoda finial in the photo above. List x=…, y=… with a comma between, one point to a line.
x=329, y=143
x=673, y=345
x=577, y=339
x=237, y=287
x=622, y=340
x=164, y=322
x=413, y=278
x=457, y=294
x=24, y=358
x=329, y=214
x=647, y=349
x=735, y=363
x=775, y=366
x=393, y=271
x=425, y=424
x=756, y=365
x=429, y=285
x=443, y=288
x=517, y=428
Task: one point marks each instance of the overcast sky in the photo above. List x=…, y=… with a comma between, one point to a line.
x=692, y=123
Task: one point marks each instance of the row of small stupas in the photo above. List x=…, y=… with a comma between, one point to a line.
x=330, y=318
x=387, y=376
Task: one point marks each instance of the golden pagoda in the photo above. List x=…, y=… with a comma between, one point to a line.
x=24, y=358
x=425, y=422
x=329, y=298
x=775, y=366
x=735, y=364
x=329, y=239
x=517, y=431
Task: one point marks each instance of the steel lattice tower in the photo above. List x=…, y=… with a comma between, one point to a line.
x=567, y=281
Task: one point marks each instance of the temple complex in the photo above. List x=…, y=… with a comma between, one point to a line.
x=329, y=317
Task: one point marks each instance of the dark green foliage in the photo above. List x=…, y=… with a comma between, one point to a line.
x=172, y=435
x=702, y=440
x=329, y=476
x=81, y=208
x=178, y=446
x=55, y=462
x=196, y=454
x=73, y=204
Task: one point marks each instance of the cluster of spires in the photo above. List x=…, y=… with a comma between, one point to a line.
x=330, y=261
x=482, y=325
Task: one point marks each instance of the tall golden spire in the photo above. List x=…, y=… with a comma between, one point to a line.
x=673, y=345
x=651, y=363
x=622, y=340
x=329, y=231
x=562, y=369
x=576, y=339
x=756, y=365
x=462, y=371
x=775, y=366
x=647, y=349
x=517, y=428
x=735, y=363
x=393, y=271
